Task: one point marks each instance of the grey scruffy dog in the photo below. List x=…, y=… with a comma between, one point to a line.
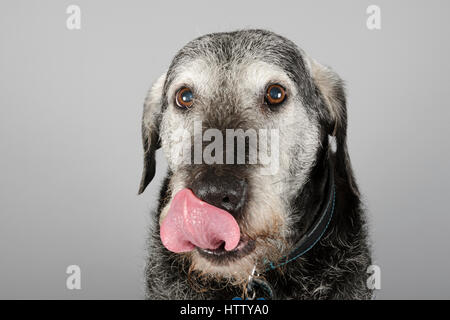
x=228, y=229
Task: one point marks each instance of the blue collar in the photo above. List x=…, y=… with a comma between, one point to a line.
x=314, y=234
x=306, y=243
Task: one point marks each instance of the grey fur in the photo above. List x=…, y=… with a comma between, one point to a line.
x=228, y=71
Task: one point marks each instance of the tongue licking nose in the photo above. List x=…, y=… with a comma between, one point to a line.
x=192, y=223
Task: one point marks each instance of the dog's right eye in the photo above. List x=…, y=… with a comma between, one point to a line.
x=184, y=98
x=275, y=95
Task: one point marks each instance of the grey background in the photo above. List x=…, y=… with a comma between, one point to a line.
x=70, y=153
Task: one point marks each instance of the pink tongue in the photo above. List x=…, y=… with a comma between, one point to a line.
x=192, y=223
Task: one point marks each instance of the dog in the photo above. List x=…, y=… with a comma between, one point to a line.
x=248, y=230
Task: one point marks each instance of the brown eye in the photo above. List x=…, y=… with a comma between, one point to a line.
x=275, y=95
x=184, y=98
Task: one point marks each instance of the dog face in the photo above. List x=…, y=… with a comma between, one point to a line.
x=221, y=90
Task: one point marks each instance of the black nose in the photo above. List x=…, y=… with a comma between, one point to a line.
x=223, y=191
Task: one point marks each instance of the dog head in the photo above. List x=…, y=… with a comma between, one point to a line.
x=241, y=118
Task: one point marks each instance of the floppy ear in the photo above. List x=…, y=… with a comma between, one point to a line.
x=151, y=119
x=331, y=90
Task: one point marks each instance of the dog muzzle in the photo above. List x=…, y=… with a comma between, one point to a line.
x=191, y=222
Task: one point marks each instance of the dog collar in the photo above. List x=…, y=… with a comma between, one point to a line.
x=316, y=231
x=306, y=243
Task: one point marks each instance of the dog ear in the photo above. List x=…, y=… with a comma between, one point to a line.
x=151, y=119
x=332, y=93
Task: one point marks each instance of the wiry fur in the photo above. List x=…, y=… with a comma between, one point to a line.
x=228, y=72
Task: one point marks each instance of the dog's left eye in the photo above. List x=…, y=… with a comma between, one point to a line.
x=275, y=95
x=184, y=98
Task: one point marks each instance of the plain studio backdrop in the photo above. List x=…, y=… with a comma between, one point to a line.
x=70, y=144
